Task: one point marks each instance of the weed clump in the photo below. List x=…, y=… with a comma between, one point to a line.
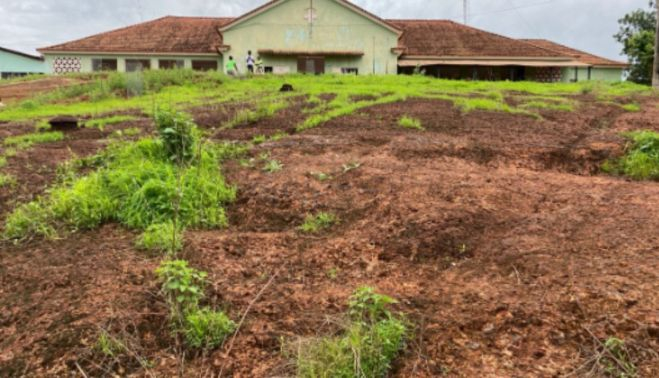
x=183, y=287
x=207, y=329
x=641, y=162
x=138, y=184
x=161, y=237
x=7, y=180
x=632, y=108
x=371, y=340
x=411, y=123
x=316, y=223
x=108, y=345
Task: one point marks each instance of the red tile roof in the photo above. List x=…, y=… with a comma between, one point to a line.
x=190, y=35
x=581, y=56
x=442, y=38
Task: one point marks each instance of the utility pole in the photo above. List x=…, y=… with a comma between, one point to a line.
x=655, y=71
x=465, y=5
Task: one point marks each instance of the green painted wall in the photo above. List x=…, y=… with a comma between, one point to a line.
x=336, y=28
x=16, y=63
x=86, y=60
x=597, y=73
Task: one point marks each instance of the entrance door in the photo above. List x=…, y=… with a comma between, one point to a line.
x=311, y=65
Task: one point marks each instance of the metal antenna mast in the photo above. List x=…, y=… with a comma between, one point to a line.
x=655, y=71
x=465, y=4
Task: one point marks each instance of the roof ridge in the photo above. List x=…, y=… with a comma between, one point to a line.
x=106, y=32
x=23, y=54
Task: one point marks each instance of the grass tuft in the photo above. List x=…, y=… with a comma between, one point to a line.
x=316, y=223
x=410, y=123
x=162, y=237
x=22, y=142
x=207, y=329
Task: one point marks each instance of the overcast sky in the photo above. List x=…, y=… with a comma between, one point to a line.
x=585, y=24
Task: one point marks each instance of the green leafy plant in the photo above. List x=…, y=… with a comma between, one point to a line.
x=183, y=287
x=371, y=340
x=162, y=237
x=29, y=220
x=273, y=166
x=617, y=360
x=320, y=176
x=632, y=108
x=207, y=329
x=3, y=161
x=178, y=134
x=641, y=162
x=316, y=223
x=410, y=123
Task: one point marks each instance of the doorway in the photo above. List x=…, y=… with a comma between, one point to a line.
x=314, y=65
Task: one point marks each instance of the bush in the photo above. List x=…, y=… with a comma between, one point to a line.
x=641, y=162
x=207, y=329
x=322, y=221
x=178, y=134
x=161, y=238
x=371, y=341
x=183, y=287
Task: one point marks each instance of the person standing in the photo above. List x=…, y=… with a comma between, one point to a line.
x=232, y=67
x=250, y=62
x=259, y=66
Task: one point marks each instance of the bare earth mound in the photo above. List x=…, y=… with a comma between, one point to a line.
x=505, y=247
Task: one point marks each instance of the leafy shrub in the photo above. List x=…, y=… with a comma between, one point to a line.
x=641, y=162
x=28, y=140
x=183, y=287
x=371, y=341
x=161, y=237
x=178, y=134
x=316, y=223
x=259, y=139
x=410, y=123
x=207, y=329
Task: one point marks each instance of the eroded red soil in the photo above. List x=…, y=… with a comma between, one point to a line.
x=504, y=246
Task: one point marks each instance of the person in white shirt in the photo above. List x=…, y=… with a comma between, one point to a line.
x=250, y=62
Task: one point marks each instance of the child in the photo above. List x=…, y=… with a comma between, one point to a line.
x=250, y=62
x=232, y=67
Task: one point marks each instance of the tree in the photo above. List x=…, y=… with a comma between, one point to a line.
x=637, y=35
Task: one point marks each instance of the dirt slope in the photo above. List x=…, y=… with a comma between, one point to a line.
x=504, y=247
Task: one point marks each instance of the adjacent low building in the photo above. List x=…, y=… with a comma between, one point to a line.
x=327, y=36
x=15, y=64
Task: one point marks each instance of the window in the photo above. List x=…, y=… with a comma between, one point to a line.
x=170, y=64
x=269, y=70
x=204, y=65
x=137, y=65
x=350, y=71
x=104, y=65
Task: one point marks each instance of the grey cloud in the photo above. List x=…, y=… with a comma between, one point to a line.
x=585, y=24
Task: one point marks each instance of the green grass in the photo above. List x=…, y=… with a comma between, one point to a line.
x=7, y=180
x=410, y=123
x=273, y=166
x=3, y=161
x=632, y=108
x=162, y=237
x=371, y=340
x=207, y=329
x=100, y=123
x=548, y=105
x=319, y=222
x=259, y=139
x=137, y=184
x=108, y=345
x=26, y=141
x=641, y=161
